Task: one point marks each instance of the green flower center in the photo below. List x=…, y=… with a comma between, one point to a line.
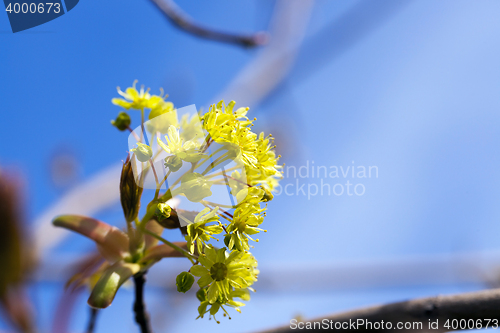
x=218, y=271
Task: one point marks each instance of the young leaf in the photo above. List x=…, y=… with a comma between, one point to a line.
x=105, y=290
x=111, y=241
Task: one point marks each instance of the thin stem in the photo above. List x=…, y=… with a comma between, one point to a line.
x=223, y=227
x=141, y=316
x=165, y=178
x=221, y=215
x=219, y=182
x=206, y=204
x=160, y=150
x=142, y=124
x=92, y=320
x=224, y=217
x=180, y=178
x=220, y=173
x=228, y=214
x=158, y=188
x=134, y=134
x=239, y=181
x=207, y=142
x=154, y=171
x=168, y=195
x=218, y=161
x=206, y=157
x=215, y=205
x=179, y=249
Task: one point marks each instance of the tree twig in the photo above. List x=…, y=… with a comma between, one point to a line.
x=92, y=320
x=467, y=307
x=180, y=19
x=141, y=316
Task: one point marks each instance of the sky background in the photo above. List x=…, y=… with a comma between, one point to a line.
x=411, y=87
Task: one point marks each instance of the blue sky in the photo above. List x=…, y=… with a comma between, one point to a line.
x=416, y=94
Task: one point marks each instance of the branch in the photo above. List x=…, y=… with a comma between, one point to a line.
x=181, y=20
x=475, y=305
x=141, y=316
x=92, y=320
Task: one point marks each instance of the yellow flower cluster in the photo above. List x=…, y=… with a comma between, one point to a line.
x=225, y=274
x=226, y=125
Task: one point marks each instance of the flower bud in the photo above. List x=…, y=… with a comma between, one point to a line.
x=268, y=196
x=184, y=282
x=130, y=192
x=163, y=211
x=169, y=222
x=122, y=121
x=143, y=152
x=227, y=239
x=173, y=163
x=201, y=294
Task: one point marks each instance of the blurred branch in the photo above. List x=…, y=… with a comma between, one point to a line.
x=180, y=19
x=475, y=305
x=141, y=316
x=92, y=320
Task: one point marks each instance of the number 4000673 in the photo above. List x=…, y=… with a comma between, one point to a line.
x=33, y=8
